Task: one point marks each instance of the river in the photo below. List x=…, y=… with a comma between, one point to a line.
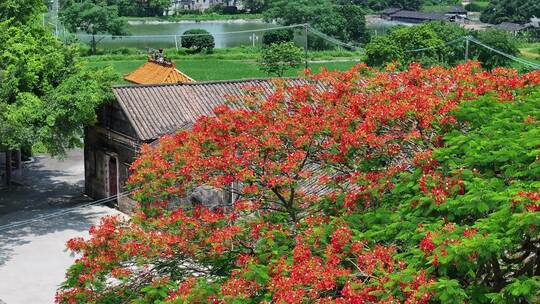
x=156, y=34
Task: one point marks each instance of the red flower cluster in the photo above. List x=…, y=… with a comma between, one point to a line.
x=299, y=159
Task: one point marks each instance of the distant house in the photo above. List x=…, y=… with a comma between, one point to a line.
x=457, y=11
x=418, y=17
x=141, y=115
x=202, y=5
x=386, y=13
x=511, y=27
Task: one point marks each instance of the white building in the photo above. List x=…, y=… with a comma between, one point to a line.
x=201, y=5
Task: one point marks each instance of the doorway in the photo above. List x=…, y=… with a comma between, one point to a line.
x=113, y=176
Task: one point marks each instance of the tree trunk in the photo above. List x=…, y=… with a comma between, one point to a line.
x=93, y=45
x=8, y=167
x=18, y=159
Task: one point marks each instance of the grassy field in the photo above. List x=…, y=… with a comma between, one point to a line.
x=531, y=51
x=206, y=70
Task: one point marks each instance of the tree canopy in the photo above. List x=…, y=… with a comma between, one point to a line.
x=46, y=96
x=363, y=186
x=342, y=21
x=198, y=40
x=396, y=46
x=518, y=11
x=277, y=58
x=92, y=17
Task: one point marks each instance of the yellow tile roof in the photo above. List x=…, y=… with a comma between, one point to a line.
x=155, y=73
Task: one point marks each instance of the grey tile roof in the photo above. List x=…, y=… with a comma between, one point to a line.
x=154, y=110
x=509, y=26
x=390, y=11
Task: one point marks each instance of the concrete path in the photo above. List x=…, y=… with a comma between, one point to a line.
x=33, y=259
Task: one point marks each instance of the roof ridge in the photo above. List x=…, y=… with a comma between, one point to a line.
x=131, y=86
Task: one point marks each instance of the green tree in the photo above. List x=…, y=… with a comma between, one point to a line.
x=94, y=18
x=395, y=45
x=496, y=39
x=20, y=10
x=198, y=40
x=519, y=11
x=342, y=21
x=256, y=6
x=278, y=36
x=46, y=96
x=280, y=57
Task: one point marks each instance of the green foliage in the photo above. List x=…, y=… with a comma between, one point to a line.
x=518, y=11
x=92, y=17
x=202, y=40
x=256, y=6
x=395, y=46
x=342, y=21
x=277, y=36
x=495, y=152
x=45, y=96
x=20, y=10
x=499, y=40
x=477, y=6
x=278, y=58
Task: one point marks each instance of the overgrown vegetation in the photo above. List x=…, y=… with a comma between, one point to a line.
x=429, y=41
x=46, y=95
x=518, y=11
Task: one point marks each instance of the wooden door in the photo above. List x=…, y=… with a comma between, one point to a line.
x=113, y=176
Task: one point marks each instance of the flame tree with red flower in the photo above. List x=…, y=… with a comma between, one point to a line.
x=363, y=186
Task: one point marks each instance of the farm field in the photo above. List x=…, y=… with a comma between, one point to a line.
x=214, y=69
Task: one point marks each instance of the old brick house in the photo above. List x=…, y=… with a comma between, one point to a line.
x=140, y=115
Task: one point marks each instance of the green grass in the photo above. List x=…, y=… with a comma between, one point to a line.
x=531, y=51
x=237, y=53
x=435, y=8
x=206, y=70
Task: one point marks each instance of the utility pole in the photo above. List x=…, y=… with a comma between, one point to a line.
x=306, y=44
x=466, y=49
x=253, y=39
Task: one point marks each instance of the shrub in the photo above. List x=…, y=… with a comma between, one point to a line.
x=277, y=36
x=497, y=39
x=280, y=57
x=201, y=40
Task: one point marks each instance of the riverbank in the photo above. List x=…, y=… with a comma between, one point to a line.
x=215, y=18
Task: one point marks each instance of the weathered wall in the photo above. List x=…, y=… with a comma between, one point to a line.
x=100, y=145
x=113, y=136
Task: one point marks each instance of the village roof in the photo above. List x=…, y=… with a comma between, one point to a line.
x=510, y=26
x=419, y=15
x=155, y=110
x=157, y=73
x=456, y=9
x=390, y=11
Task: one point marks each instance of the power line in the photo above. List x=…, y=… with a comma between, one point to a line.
x=64, y=212
x=333, y=40
x=511, y=57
